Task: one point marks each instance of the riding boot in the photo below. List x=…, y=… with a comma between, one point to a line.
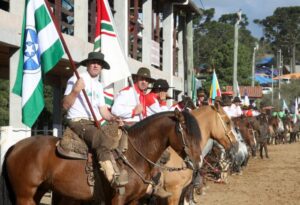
x=111, y=170
x=159, y=189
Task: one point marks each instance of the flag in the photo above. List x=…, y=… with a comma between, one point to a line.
x=41, y=49
x=246, y=99
x=296, y=111
x=284, y=106
x=194, y=89
x=214, y=88
x=106, y=41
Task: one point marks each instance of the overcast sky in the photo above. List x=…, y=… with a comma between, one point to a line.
x=254, y=9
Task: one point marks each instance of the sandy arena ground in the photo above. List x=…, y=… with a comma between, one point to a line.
x=273, y=181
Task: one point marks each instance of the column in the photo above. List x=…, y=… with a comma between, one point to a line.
x=181, y=34
x=189, y=52
x=121, y=25
x=147, y=31
x=81, y=19
x=168, y=27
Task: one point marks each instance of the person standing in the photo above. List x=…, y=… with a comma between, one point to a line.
x=126, y=106
x=81, y=121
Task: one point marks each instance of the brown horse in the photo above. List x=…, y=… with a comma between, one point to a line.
x=247, y=132
x=214, y=123
x=33, y=166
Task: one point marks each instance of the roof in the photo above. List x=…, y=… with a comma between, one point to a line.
x=288, y=76
x=252, y=92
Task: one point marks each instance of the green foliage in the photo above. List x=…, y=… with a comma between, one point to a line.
x=214, y=45
x=282, y=30
x=4, y=102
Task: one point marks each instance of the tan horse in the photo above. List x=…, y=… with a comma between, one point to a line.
x=214, y=123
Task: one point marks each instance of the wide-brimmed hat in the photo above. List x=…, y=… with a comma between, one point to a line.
x=236, y=99
x=143, y=72
x=201, y=93
x=96, y=56
x=161, y=84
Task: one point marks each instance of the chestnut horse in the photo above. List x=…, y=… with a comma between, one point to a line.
x=33, y=166
x=214, y=123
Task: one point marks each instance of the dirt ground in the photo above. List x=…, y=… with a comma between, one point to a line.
x=264, y=181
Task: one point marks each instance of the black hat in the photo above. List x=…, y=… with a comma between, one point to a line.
x=96, y=56
x=143, y=72
x=161, y=84
x=236, y=99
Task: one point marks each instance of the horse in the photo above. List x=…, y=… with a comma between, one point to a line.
x=214, y=123
x=33, y=166
x=245, y=128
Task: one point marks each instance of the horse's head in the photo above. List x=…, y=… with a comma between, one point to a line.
x=187, y=139
x=187, y=103
x=224, y=131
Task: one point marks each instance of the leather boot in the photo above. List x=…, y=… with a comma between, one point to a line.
x=115, y=178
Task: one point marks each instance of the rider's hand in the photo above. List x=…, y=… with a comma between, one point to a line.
x=79, y=85
x=138, y=109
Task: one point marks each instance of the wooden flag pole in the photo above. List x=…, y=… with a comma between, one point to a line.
x=73, y=66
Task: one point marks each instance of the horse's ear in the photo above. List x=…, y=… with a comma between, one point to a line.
x=178, y=115
x=217, y=106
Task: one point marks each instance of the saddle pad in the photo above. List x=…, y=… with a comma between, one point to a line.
x=72, y=146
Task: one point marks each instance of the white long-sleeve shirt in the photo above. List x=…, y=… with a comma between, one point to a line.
x=125, y=102
x=155, y=106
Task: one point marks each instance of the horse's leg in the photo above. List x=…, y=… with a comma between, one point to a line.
x=175, y=198
x=261, y=146
x=119, y=200
x=266, y=150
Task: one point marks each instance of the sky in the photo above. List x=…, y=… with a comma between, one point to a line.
x=254, y=9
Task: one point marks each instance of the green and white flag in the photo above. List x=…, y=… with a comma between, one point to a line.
x=41, y=49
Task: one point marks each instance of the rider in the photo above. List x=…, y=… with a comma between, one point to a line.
x=80, y=118
x=125, y=104
x=156, y=100
x=201, y=98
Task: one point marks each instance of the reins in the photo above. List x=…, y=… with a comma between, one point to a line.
x=170, y=169
x=224, y=127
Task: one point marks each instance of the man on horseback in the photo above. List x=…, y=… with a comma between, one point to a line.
x=125, y=104
x=156, y=100
x=80, y=118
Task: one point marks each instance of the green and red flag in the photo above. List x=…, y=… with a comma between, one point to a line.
x=106, y=41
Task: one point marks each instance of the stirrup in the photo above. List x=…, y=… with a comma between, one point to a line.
x=120, y=179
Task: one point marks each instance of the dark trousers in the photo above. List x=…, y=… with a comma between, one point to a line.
x=101, y=140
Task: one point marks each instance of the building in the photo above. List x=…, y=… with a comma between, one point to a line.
x=157, y=34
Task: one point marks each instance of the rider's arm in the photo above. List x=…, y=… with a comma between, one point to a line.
x=105, y=113
x=72, y=91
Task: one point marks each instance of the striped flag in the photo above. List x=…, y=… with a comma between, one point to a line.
x=41, y=49
x=215, y=89
x=106, y=41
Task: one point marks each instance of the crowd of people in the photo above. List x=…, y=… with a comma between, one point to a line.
x=132, y=104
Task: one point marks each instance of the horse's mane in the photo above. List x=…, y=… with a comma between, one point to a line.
x=191, y=122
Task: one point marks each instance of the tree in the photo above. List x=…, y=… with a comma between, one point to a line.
x=214, y=46
x=4, y=102
x=282, y=31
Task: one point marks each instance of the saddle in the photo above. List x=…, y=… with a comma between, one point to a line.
x=73, y=147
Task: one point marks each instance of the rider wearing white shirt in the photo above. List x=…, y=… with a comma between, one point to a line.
x=156, y=99
x=82, y=122
x=125, y=104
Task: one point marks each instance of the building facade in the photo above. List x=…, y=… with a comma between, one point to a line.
x=154, y=33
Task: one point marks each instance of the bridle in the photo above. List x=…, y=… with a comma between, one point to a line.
x=187, y=160
x=227, y=132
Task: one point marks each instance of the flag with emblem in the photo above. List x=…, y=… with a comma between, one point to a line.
x=41, y=49
x=106, y=41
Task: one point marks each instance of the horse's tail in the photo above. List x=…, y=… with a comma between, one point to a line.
x=6, y=193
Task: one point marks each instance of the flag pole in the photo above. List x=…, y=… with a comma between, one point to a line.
x=73, y=66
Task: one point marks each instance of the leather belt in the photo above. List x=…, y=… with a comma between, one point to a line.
x=76, y=119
